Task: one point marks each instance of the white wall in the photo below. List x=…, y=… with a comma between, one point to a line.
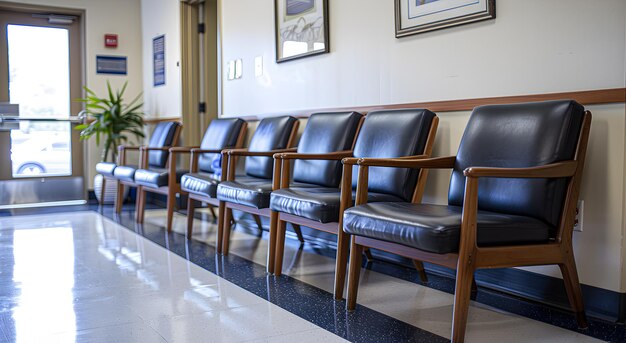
x=161, y=17
x=98, y=21
x=534, y=46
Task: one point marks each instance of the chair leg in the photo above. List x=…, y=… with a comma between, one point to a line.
x=298, y=231
x=271, y=244
x=119, y=198
x=222, y=227
x=343, y=241
x=419, y=265
x=280, y=247
x=368, y=254
x=354, y=272
x=228, y=216
x=259, y=224
x=102, y=189
x=212, y=212
x=171, y=203
x=462, y=293
x=140, y=206
x=191, y=210
x=574, y=292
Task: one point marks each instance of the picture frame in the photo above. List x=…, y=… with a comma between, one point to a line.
x=419, y=16
x=301, y=28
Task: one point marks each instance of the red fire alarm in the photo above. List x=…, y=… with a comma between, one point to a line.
x=110, y=40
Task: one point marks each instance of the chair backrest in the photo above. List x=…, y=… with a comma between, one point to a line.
x=270, y=134
x=163, y=135
x=221, y=134
x=325, y=132
x=515, y=136
x=393, y=133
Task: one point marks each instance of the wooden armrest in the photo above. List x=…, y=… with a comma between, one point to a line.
x=355, y=160
x=162, y=148
x=205, y=151
x=554, y=170
x=179, y=149
x=408, y=162
x=337, y=155
x=246, y=152
x=124, y=147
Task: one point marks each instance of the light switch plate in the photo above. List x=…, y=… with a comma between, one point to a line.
x=258, y=66
x=231, y=70
x=238, y=68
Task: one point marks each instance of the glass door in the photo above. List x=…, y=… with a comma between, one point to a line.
x=40, y=75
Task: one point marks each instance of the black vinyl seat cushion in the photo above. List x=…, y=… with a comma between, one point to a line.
x=320, y=203
x=436, y=228
x=200, y=183
x=106, y=168
x=156, y=177
x=125, y=173
x=249, y=191
x=205, y=184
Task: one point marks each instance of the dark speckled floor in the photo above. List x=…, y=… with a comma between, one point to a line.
x=318, y=306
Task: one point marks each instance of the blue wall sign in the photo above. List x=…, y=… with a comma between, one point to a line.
x=115, y=65
x=158, y=53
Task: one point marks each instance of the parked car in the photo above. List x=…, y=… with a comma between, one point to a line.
x=42, y=156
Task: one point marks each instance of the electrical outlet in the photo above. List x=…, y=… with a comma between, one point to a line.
x=578, y=221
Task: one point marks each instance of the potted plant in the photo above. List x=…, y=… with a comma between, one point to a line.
x=111, y=120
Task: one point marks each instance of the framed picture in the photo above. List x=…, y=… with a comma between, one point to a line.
x=417, y=16
x=301, y=28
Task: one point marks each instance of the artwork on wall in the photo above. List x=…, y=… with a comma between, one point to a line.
x=417, y=16
x=301, y=28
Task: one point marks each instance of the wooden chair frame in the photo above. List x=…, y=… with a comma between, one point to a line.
x=345, y=203
x=228, y=174
x=173, y=187
x=470, y=256
x=143, y=160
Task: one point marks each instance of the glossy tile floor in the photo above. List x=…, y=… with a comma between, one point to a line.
x=83, y=277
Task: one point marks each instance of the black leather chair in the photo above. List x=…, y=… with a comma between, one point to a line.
x=165, y=135
x=221, y=134
x=512, y=200
x=326, y=134
x=394, y=133
x=271, y=136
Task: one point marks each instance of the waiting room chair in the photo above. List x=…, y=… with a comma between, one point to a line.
x=326, y=134
x=271, y=136
x=511, y=202
x=221, y=134
x=395, y=133
x=164, y=136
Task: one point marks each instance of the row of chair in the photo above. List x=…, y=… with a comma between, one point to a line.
x=362, y=178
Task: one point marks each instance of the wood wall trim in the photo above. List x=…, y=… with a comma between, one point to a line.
x=150, y=121
x=590, y=97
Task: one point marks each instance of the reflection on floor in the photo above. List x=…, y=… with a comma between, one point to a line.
x=93, y=280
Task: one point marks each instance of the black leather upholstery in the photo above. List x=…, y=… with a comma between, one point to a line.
x=383, y=134
x=106, y=168
x=318, y=203
x=125, y=173
x=204, y=184
x=221, y=134
x=510, y=211
x=519, y=135
x=270, y=134
x=156, y=177
x=388, y=134
x=436, y=228
x=325, y=132
x=253, y=192
x=162, y=136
